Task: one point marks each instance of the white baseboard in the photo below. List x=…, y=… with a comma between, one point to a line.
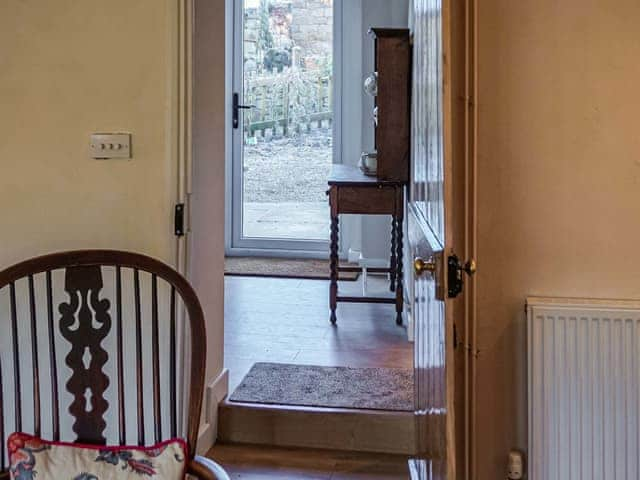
x=215, y=393
x=373, y=262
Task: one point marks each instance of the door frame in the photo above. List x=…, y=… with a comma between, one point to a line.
x=181, y=33
x=235, y=244
x=195, y=118
x=467, y=163
x=464, y=218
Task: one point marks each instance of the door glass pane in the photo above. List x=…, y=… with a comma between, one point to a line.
x=288, y=133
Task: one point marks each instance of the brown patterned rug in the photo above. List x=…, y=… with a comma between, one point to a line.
x=282, y=268
x=332, y=387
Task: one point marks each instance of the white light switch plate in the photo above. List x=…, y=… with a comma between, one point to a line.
x=110, y=145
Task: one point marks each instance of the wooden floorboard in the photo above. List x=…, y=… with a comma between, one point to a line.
x=287, y=321
x=262, y=463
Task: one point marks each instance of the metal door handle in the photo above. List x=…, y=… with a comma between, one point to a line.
x=470, y=267
x=236, y=109
x=420, y=266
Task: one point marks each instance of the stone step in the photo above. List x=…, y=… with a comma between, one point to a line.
x=322, y=428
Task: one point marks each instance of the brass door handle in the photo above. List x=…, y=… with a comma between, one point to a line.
x=421, y=266
x=470, y=267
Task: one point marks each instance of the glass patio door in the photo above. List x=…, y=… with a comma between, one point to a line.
x=283, y=124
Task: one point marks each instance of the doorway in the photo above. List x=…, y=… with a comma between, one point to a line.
x=283, y=123
x=285, y=131
x=284, y=321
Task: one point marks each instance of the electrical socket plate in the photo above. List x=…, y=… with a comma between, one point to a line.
x=110, y=145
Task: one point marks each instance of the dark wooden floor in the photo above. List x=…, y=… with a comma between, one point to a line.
x=260, y=463
x=287, y=321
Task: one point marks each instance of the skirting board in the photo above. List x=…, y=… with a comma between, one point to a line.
x=215, y=393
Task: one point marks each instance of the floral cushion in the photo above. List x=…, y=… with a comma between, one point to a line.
x=31, y=458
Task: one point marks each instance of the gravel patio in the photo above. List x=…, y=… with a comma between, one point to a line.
x=285, y=180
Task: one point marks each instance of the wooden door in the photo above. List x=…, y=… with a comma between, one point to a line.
x=437, y=274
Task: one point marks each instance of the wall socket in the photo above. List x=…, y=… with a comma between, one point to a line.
x=110, y=145
x=515, y=469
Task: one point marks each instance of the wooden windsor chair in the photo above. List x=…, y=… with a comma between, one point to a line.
x=81, y=343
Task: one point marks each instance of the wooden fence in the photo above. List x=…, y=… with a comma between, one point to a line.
x=286, y=103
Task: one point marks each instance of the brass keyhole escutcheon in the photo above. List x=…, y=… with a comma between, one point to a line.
x=420, y=266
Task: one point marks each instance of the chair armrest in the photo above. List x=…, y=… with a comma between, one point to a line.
x=206, y=469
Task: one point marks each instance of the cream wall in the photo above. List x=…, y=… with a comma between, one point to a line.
x=69, y=68
x=559, y=182
x=207, y=229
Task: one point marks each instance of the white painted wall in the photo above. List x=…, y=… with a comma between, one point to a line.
x=208, y=196
x=368, y=234
x=352, y=41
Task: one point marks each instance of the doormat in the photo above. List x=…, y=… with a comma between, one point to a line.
x=283, y=268
x=332, y=387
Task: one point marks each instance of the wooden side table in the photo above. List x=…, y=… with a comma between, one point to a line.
x=352, y=192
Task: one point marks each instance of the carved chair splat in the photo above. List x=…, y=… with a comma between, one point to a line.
x=84, y=321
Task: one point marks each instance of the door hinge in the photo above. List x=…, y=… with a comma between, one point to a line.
x=178, y=220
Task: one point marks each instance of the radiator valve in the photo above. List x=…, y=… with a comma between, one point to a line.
x=515, y=470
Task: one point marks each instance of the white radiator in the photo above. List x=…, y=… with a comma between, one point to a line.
x=584, y=389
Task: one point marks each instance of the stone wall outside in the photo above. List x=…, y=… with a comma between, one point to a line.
x=312, y=26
